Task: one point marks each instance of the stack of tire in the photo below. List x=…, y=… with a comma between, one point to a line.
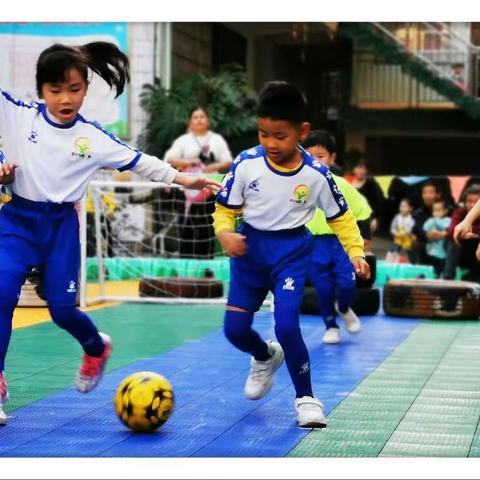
x=443, y=299
x=367, y=297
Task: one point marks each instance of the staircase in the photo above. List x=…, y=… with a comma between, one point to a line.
x=438, y=54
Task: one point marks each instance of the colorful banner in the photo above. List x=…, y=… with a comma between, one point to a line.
x=457, y=184
x=21, y=43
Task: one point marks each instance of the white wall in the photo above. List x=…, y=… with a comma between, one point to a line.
x=141, y=53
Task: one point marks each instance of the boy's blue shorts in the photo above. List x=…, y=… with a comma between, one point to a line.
x=275, y=261
x=330, y=262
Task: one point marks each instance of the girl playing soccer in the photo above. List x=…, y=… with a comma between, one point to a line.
x=50, y=153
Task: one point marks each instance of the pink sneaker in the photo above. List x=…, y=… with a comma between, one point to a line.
x=91, y=371
x=3, y=398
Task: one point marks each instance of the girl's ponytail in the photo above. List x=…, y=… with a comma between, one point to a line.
x=106, y=60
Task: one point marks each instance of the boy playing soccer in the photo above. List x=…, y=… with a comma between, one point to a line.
x=330, y=270
x=277, y=186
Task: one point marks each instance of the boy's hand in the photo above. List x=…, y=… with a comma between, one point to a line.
x=233, y=243
x=7, y=173
x=362, y=268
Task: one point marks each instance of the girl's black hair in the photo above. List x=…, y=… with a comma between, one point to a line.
x=408, y=201
x=103, y=58
x=323, y=139
x=280, y=100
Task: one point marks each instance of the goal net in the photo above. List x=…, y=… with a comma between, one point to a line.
x=150, y=242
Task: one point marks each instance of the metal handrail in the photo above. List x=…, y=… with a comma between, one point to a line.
x=469, y=52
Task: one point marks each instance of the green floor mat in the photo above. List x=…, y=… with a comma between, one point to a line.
x=424, y=400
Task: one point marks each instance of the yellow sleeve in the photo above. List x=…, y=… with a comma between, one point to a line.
x=224, y=218
x=346, y=229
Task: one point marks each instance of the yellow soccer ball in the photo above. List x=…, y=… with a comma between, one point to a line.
x=144, y=401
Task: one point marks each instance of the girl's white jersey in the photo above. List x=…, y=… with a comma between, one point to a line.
x=276, y=200
x=57, y=161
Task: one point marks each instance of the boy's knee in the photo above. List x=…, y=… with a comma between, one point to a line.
x=287, y=321
x=237, y=324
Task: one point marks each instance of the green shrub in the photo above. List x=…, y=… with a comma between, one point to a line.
x=225, y=95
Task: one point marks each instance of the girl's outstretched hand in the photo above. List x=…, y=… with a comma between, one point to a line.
x=197, y=183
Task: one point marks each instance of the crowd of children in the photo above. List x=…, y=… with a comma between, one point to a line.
x=425, y=235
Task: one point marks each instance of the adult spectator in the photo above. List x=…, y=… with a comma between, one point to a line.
x=198, y=150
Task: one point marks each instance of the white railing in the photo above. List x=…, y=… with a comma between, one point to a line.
x=443, y=47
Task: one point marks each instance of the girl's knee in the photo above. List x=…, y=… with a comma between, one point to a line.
x=10, y=287
x=62, y=315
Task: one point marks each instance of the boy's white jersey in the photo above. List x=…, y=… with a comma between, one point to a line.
x=276, y=200
x=57, y=161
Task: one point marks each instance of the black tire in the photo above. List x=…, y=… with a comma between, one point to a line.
x=367, y=283
x=181, y=287
x=420, y=298
x=367, y=302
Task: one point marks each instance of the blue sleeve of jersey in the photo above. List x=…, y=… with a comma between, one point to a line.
x=231, y=195
x=330, y=199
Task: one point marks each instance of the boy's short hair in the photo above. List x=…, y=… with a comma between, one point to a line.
x=281, y=101
x=443, y=202
x=321, y=138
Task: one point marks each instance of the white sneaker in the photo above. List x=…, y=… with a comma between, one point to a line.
x=332, y=335
x=352, y=322
x=260, y=379
x=310, y=413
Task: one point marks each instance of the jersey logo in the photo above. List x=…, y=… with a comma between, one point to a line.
x=255, y=185
x=71, y=287
x=288, y=285
x=82, y=147
x=252, y=151
x=304, y=368
x=300, y=194
x=33, y=137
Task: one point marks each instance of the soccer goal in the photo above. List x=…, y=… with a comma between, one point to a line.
x=149, y=242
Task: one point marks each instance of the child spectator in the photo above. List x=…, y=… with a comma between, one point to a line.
x=401, y=228
x=436, y=231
